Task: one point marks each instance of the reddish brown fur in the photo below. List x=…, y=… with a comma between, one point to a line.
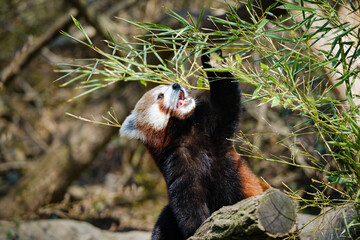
x=250, y=184
x=158, y=139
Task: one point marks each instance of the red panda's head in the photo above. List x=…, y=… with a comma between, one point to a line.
x=153, y=111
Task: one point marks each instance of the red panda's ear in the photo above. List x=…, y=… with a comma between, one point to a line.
x=130, y=130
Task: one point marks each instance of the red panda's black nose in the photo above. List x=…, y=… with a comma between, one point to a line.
x=176, y=86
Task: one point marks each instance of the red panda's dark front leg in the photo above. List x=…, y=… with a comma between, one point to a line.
x=225, y=95
x=188, y=202
x=166, y=226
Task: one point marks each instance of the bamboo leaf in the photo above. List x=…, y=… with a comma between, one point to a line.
x=79, y=26
x=261, y=24
x=73, y=38
x=178, y=17
x=340, y=180
x=199, y=18
x=85, y=93
x=92, y=70
x=295, y=7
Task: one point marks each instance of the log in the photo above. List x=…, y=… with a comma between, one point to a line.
x=270, y=215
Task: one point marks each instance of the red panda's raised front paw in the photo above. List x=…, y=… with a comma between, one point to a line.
x=212, y=59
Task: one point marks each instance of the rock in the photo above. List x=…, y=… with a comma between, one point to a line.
x=60, y=229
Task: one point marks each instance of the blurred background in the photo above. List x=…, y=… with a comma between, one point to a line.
x=53, y=166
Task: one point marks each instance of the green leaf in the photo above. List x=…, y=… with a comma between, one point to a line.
x=264, y=67
x=75, y=39
x=178, y=17
x=74, y=79
x=143, y=82
x=199, y=18
x=92, y=70
x=340, y=180
x=68, y=74
x=339, y=144
x=261, y=24
x=238, y=58
x=257, y=90
x=275, y=36
x=199, y=83
x=250, y=5
x=296, y=7
x=85, y=93
x=79, y=26
x=155, y=26
x=275, y=101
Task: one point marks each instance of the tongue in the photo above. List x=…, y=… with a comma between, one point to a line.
x=182, y=103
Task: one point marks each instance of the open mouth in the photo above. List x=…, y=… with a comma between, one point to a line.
x=182, y=101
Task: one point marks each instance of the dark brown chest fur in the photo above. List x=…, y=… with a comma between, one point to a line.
x=196, y=163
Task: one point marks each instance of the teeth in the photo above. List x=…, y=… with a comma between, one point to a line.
x=181, y=95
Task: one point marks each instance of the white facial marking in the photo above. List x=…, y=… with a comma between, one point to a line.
x=128, y=128
x=156, y=118
x=166, y=90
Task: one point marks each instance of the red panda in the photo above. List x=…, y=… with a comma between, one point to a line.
x=189, y=143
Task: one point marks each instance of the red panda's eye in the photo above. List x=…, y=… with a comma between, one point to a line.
x=160, y=96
